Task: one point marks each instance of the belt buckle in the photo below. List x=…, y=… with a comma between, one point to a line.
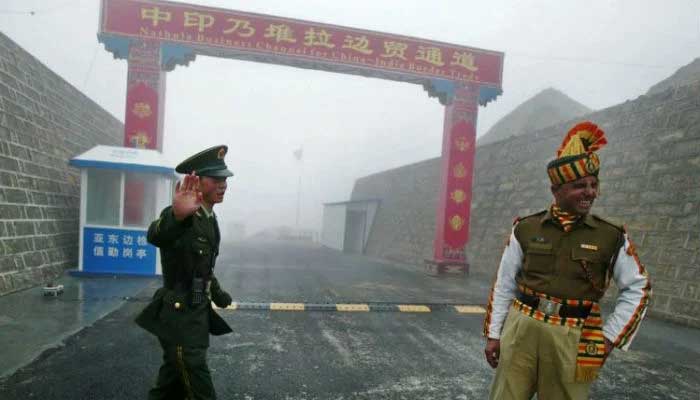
x=548, y=307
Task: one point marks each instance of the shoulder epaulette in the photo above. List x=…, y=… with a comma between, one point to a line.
x=617, y=226
x=537, y=214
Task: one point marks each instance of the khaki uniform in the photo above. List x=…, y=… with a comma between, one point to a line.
x=536, y=354
x=543, y=307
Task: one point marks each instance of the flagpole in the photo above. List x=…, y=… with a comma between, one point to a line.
x=298, y=199
x=298, y=154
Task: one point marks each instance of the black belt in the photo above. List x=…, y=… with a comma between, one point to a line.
x=565, y=311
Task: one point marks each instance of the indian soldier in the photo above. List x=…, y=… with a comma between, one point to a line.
x=544, y=330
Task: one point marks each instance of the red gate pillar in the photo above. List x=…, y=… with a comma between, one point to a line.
x=454, y=204
x=145, y=96
x=143, y=122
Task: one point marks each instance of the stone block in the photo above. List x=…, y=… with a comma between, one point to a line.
x=43, y=242
x=10, y=211
x=39, y=198
x=692, y=291
x=689, y=223
x=685, y=307
x=14, y=245
x=45, y=227
x=659, y=302
x=33, y=259
x=677, y=256
x=8, y=179
x=16, y=196
x=693, y=240
x=33, y=212
x=7, y=264
x=689, y=274
x=9, y=164
x=8, y=80
x=4, y=285
x=662, y=272
x=666, y=287
x=665, y=239
x=23, y=228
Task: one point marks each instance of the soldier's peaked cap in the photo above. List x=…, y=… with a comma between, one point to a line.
x=209, y=162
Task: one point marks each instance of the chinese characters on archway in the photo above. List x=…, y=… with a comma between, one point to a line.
x=188, y=24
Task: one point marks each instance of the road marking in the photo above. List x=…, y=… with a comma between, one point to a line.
x=233, y=306
x=470, y=309
x=413, y=308
x=352, y=307
x=287, y=306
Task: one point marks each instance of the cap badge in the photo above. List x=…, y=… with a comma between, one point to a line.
x=222, y=152
x=590, y=165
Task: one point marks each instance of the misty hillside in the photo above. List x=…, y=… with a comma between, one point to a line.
x=544, y=109
x=685, y=75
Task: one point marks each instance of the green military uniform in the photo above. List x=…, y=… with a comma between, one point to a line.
x=180, y=314
x=553, y=259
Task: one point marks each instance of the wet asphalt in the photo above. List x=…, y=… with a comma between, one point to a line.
x=316, y=354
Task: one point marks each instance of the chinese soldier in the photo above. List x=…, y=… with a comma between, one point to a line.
x=181, y=314
x=545, y=333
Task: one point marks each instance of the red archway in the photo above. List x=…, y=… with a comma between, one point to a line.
x=156, y=36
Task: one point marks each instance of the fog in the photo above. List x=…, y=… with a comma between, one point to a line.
x=599, y=53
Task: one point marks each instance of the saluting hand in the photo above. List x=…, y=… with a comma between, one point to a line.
x=187, y=197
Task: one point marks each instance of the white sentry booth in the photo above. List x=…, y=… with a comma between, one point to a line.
x=122, y=190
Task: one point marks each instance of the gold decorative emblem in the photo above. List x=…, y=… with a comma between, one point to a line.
x=462, y=143
x=222, y=152
x=142, y=110
x=459, y=171
x=139, y=140
x=458, y=196
x=591, y=163
x=591, y=349
x=456, y=222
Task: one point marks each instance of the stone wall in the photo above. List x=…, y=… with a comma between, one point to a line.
x=44, y=121
x=650, y=179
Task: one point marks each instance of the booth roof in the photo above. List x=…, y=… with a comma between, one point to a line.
x=124, y=158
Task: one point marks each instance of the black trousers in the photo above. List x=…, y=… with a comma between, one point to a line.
x=184, y=374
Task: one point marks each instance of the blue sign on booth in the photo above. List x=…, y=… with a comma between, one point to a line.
x=118, y=251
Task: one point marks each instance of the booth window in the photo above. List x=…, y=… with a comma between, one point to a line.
x=139, y=198
x=103, y=188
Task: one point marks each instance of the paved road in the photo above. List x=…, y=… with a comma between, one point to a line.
x=333, y=355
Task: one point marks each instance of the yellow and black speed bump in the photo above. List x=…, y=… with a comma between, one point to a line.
x=359, y=307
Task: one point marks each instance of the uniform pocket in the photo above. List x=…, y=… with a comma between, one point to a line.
x=590, y=266
x=539, y=257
